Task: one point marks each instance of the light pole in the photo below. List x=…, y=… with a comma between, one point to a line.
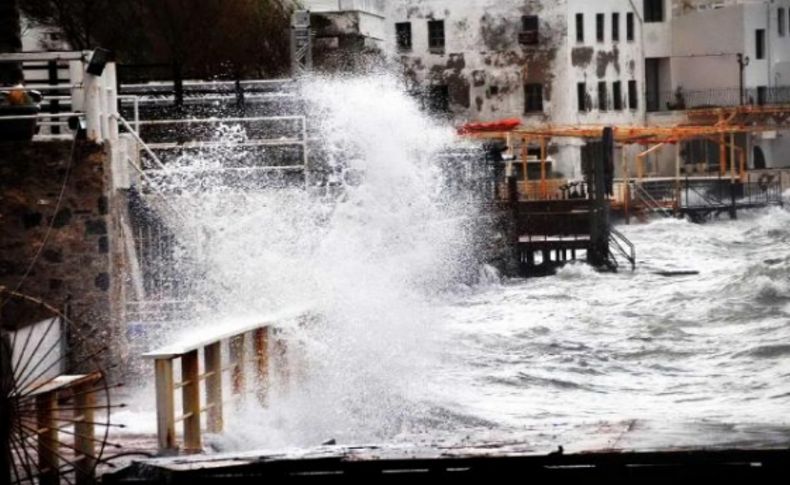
x=743, y=61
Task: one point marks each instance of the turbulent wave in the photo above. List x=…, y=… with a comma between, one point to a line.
x=394, y=358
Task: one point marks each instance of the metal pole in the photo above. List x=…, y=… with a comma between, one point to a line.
x=6, y=409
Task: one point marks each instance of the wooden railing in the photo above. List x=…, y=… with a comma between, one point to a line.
x=75, y=394
x=259, y=346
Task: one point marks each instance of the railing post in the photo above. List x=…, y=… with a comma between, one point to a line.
x=261, y=340
x=111, y=83
x=84, y=443
x=93, y=107
x=165, y=406
x=212, y=355
x=280, y=350
x=47, y=445
x=190, y=400
x=104, y=118
x=237, y=351
x=76, y=78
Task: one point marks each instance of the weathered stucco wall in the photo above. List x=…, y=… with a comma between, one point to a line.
x=74, y=261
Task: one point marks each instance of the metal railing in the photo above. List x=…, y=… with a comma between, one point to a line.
x=93, y=97
x=721, y=97
x=623, y=246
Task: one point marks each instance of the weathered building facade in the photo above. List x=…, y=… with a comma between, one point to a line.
x=576, y=62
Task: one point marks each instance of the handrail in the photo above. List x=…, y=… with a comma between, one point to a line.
x=713, y=202
x=266, y=342
x=619, y=239
x=650, y=201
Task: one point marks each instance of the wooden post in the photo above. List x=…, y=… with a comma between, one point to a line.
x=677, y=178
x=237, y=351
x=190, y=392
x=84, y=444
x=6, y=407
x=281, y=355
x=543, y=188
x=261, y=340
x=626, y=189
x=165, y=406
x=722, y=155
x=213, y=365
x=48, y=464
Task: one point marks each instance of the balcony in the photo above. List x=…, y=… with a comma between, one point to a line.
x=680, y=99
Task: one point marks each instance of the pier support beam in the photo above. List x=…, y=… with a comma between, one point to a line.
x=84, y=444
x=212, y=355
x=190, y=400
x=261, y=341
x=165, y=406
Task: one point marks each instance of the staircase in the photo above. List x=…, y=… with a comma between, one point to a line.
x=619, y=245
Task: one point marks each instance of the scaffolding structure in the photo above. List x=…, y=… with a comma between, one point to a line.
x=718, y=125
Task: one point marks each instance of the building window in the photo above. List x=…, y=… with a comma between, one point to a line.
x=579, y=27
x=599, y=26
x=617, y=96
x=581, y=96
x=759, y=45
x=602, y=101
x=529, y=30
x=633, y=98
x=438, y=101
x=436, y=35
x=533, y=98
x=780, y=22
x=403, y=35
x=615, y=27
x=629, y=27
x=654, y=10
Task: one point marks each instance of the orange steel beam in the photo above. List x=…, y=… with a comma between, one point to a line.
x=629, y=134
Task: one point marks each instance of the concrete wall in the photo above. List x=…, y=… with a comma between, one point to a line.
x=76, y=262
x=37, y=38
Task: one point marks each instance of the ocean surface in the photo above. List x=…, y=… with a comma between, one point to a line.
x=409, y=352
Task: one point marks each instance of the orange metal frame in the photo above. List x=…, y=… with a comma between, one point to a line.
x=710, y=123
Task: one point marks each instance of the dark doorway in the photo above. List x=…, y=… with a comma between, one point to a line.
x=759, y=158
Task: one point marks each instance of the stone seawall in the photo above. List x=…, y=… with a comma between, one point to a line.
x=56, y=237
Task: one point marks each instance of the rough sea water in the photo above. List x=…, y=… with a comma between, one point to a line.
x=409, y=350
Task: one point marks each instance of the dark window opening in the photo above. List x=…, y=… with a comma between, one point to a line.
x=533, y=98
x=633, y=98
x=759, y=45
x=780, y=21
x=615, y=27
x=581, y=96
x=403, y=35
x=579, y=27
x=438, y=101
x=629, y=27
x=654, y=10
x=617, y=96
x=762, y=95
x=530, y=29
x=602, y=101
x=436, y=34
x=759, y=158
x=599, y=26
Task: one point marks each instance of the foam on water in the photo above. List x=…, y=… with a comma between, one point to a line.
x=403, y=353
